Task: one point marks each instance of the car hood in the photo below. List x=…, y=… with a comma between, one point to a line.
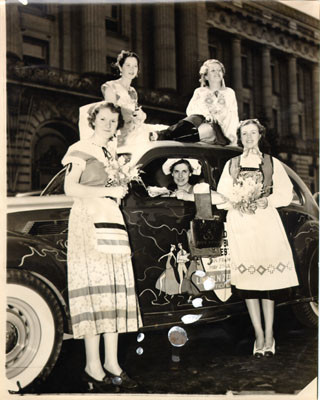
x=29, y=203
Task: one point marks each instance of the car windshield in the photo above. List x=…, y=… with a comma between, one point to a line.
x=55, y=186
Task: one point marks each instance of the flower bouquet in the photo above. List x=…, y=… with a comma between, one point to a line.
x=121, y=173
x=245, y=193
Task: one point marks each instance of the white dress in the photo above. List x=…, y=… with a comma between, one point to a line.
x=220, y=104
x=135, y=130
x=261, y=256
x=101, y=285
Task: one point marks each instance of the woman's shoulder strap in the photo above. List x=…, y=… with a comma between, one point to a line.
x=234, y=166
x=268, y=161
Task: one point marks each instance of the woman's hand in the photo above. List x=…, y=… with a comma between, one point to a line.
x=217, y=198
x=262, y=202
x=154, y=191
x=209, y=118
x=183, y=195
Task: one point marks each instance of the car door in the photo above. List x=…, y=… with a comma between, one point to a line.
x=167, y=281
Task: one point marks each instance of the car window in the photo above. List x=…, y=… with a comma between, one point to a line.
x=154, y=176
x=216, y=168
x=298, y=197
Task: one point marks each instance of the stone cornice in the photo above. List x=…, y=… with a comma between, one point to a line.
x=44, y=77
x=263, y=30
x=270, y=9
x=17, y=70
x=289, y=12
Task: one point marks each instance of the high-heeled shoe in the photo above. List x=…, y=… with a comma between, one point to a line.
x=270, y=351
x=95, y=385
x=122, y=380
x=258, y=353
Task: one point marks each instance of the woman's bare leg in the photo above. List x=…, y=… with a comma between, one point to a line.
x=93, y=362
x=253, y=306
x=268, y=313
x=111, y=363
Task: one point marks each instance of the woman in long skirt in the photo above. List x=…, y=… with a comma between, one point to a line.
x=262, y=265
x=101, y=283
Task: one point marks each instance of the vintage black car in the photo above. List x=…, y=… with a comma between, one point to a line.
x=37, y=301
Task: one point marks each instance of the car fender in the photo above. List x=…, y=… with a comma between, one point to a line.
x=305, y=243
x=39, y=257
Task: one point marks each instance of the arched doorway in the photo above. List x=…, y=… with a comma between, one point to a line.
x=52, y=144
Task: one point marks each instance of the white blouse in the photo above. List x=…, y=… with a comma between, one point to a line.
x=220, y=105
x=282, y=189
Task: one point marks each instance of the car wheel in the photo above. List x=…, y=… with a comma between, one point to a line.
x=308, y=313
x=34, y=330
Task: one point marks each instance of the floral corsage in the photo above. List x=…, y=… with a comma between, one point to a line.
x=121, y=173
x=244, y=194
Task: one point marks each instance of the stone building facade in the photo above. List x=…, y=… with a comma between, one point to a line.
x=58, y=55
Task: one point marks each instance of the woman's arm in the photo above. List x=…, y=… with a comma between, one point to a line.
x=216, y=198
x=109, y=93
x=196, y=104
x=225, y=187
x=163, y=256
x=73, y=188
x=282, y=192
x=231, y=120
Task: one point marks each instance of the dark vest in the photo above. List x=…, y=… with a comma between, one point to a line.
x=266, y=167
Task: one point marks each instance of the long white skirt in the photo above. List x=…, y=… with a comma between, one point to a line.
x=261, y=256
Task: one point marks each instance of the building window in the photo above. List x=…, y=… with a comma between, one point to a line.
x=301, y=130
x=220, y=48
x=275, y=77
x=246, y=65
x=244, y=71
x=35, y=9
x=213, y=52
x=300, y=83
x=275, y=120
x=35, y=51
x=113, y=18
x=48, y=152
x=246, y=111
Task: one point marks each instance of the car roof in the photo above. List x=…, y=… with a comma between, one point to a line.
x=141, y=149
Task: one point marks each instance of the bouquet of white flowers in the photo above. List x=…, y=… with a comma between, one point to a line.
x=121, y=173
x=245, y=193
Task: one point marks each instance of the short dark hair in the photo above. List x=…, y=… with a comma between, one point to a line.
x=93, y=111
x=261, y=128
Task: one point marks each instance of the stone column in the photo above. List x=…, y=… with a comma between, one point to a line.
x=93, y=37
x=14, y=37
x=202, y=16
x=237, y=72
x=126, y=13
x=164, y=47
x=56, y=38
x=315, y=99
x=267, y=86
x=66, y=41
x=138, y=41
x=293, y=97
x=187, y=51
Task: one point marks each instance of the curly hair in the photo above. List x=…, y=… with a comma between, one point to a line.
x=122, y=56
x=204, y=70
x=261, y=128
x=93, y=112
